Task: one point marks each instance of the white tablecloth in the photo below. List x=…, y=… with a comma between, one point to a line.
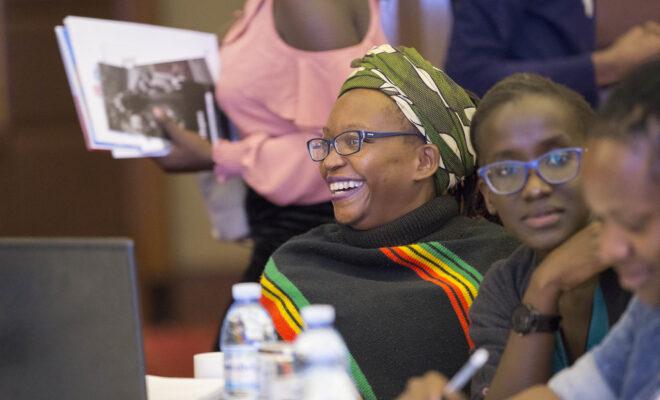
x=162, y=388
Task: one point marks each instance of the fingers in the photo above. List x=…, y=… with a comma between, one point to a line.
x=428, y=387
x=635, y=47
x=171, y=129
x=174, y=131
x=575, y=261
x=595, y=246
x=180, y=137
x=652, y=27
x=453, y=396
x=189, y=152
x=587, y=246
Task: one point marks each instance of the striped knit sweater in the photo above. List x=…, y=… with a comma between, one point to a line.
x=401, y=291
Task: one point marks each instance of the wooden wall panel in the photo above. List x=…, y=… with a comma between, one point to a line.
x=51, y=185
x=422, y=24
x=4, y=106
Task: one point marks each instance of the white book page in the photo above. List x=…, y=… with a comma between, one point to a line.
x=135, y=152
x=74, y=84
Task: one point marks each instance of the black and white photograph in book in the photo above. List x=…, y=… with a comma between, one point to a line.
x=177, y=87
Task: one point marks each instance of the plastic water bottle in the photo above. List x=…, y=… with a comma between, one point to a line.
x=246, y=327
x=321, y=357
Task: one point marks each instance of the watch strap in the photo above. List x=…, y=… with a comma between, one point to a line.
x=526, y=319
x=547, y=323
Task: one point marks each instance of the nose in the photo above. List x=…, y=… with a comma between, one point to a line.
x=535, y=187
x=614, y=245
x=333, y=160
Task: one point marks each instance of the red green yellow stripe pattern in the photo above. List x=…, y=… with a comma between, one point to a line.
x=283, y=300
x=285, y=315
x=436, y=264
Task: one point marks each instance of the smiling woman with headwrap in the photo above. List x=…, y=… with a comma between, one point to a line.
x=400, y=266
x=439, y=108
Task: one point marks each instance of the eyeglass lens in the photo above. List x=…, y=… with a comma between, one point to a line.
x=345, y=144
x=318, y=149
x=555, y=167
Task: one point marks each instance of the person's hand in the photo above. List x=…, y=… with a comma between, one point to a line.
x=428, y=387
x=637, y=46
x=574, y=262
x=189, y=152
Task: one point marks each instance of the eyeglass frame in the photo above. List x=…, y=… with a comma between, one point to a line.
x=363, y=134
x=531, y=165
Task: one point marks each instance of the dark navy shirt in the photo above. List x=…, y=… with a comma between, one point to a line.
x=492, y=39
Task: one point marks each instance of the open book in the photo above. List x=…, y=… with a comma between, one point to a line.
x=119, y=71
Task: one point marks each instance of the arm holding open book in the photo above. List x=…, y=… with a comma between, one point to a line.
x=189, y=152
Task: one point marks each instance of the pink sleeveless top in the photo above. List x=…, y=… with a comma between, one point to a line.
x=279, y=97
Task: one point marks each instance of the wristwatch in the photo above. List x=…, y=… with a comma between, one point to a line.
x=526, y=319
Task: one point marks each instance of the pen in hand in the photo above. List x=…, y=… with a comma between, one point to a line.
x=476, y=361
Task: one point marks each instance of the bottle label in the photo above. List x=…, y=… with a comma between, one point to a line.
x=241, y=369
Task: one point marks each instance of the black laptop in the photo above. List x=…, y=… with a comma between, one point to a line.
x=69, y=320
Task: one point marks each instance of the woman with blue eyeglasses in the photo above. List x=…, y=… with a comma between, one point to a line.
x=553, y=298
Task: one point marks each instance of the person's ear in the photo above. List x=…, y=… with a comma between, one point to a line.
x=488, y=196
x=427, y=161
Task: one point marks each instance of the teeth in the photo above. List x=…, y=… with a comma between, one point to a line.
x=344, y=185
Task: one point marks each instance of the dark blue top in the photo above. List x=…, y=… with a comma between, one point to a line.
x=492, y=39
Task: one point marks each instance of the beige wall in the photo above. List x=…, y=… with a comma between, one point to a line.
x=191, y=244
x=204, y=15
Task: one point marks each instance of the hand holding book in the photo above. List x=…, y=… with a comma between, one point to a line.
x=119, y=71
x=188, y=151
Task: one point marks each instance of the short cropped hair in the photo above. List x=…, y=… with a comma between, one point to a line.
x=519, y=85
x=632, y=112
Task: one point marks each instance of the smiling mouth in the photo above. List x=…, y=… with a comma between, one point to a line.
x=632, y=277
x=344, y=188
x=543, y=218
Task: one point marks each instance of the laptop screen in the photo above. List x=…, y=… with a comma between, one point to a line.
x=69, y=320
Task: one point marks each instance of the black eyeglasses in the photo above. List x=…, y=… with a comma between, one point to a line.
x=554, y=167
x=349, y=142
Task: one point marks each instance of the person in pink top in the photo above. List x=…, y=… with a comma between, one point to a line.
x=283, y=62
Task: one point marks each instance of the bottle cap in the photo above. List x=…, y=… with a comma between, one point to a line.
x=246, y=291
x=316, y=314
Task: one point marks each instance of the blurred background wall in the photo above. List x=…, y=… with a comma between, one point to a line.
x=52, y=186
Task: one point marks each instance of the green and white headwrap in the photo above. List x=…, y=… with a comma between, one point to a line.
x=439, y=108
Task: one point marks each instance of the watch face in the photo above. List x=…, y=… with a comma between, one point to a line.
x=522, y=319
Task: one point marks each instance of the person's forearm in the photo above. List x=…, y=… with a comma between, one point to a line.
x=188, y=153
x=180, y=160
x=526, y=360
x=605, y=71
x=540, y=392
x=637, y=46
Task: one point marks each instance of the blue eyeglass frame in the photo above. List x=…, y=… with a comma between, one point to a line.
x=363, y=134
x=531, y=165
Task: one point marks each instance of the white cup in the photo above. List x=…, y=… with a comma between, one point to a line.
x=209, y=365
